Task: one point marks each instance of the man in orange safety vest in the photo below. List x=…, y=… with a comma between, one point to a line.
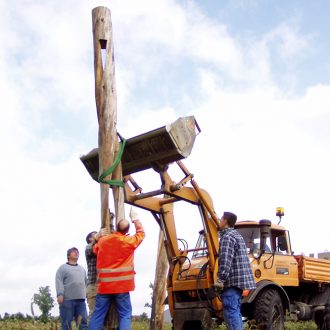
x=115, y=272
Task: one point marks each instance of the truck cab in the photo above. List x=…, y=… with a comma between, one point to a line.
x=286, y=284
x=269, y=248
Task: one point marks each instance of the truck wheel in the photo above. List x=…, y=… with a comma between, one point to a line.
x=323, y=319
x=268, y=311
x=327, y=317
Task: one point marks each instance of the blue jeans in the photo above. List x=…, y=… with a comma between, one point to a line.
x=102, y=305
x=231, y=300
x=73, y=310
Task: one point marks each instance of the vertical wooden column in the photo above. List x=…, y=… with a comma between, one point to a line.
x=106, y=104
x=159, y=293
x=118, y=192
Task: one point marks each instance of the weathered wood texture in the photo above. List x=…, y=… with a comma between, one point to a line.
x=159, y=293
x=106, y=105
x=118, y=192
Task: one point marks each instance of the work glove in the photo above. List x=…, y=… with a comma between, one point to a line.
x=133, y=215
x=218, y=286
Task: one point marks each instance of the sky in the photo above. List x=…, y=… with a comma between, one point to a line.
x=255, y=74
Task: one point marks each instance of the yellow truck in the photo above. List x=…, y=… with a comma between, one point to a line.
x=288, y=286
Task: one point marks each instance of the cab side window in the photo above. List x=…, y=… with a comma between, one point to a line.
x=281, y=245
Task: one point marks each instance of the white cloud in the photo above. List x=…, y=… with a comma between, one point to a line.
x=288, y=42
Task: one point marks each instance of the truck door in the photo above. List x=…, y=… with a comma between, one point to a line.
x=282, y=265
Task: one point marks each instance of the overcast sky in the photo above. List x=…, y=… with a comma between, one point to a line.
x=255, y=74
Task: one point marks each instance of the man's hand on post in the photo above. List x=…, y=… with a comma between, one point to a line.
x=102, y=232
x=133, y=214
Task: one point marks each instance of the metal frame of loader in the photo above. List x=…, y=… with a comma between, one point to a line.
x=188, y=298
x=159, y=149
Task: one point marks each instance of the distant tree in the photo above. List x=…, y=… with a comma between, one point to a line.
x=144, y=317
x=151, y=286
x=18, y=316
x=44, y=301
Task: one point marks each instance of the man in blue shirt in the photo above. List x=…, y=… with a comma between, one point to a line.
x=234, y=273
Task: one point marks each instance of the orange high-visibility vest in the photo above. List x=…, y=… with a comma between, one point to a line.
x=115, y=262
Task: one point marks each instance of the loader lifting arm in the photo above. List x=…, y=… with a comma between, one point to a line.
x=161, y=203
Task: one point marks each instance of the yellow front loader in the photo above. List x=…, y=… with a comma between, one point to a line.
x=288, y=286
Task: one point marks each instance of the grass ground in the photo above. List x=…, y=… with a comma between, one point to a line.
x=30, y=325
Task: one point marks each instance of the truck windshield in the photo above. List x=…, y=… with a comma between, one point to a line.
x=201, y=246
x=251, y=236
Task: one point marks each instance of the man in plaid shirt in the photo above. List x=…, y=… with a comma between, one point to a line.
x=91, y=271
x=234, y=274
x=91, y=290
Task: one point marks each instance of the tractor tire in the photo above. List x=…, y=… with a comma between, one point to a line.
x=326, y=319
x=268, y=311
x=323, y=319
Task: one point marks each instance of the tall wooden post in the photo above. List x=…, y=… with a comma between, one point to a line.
x=118, y=192
x=159, y=293
x=106, y=105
